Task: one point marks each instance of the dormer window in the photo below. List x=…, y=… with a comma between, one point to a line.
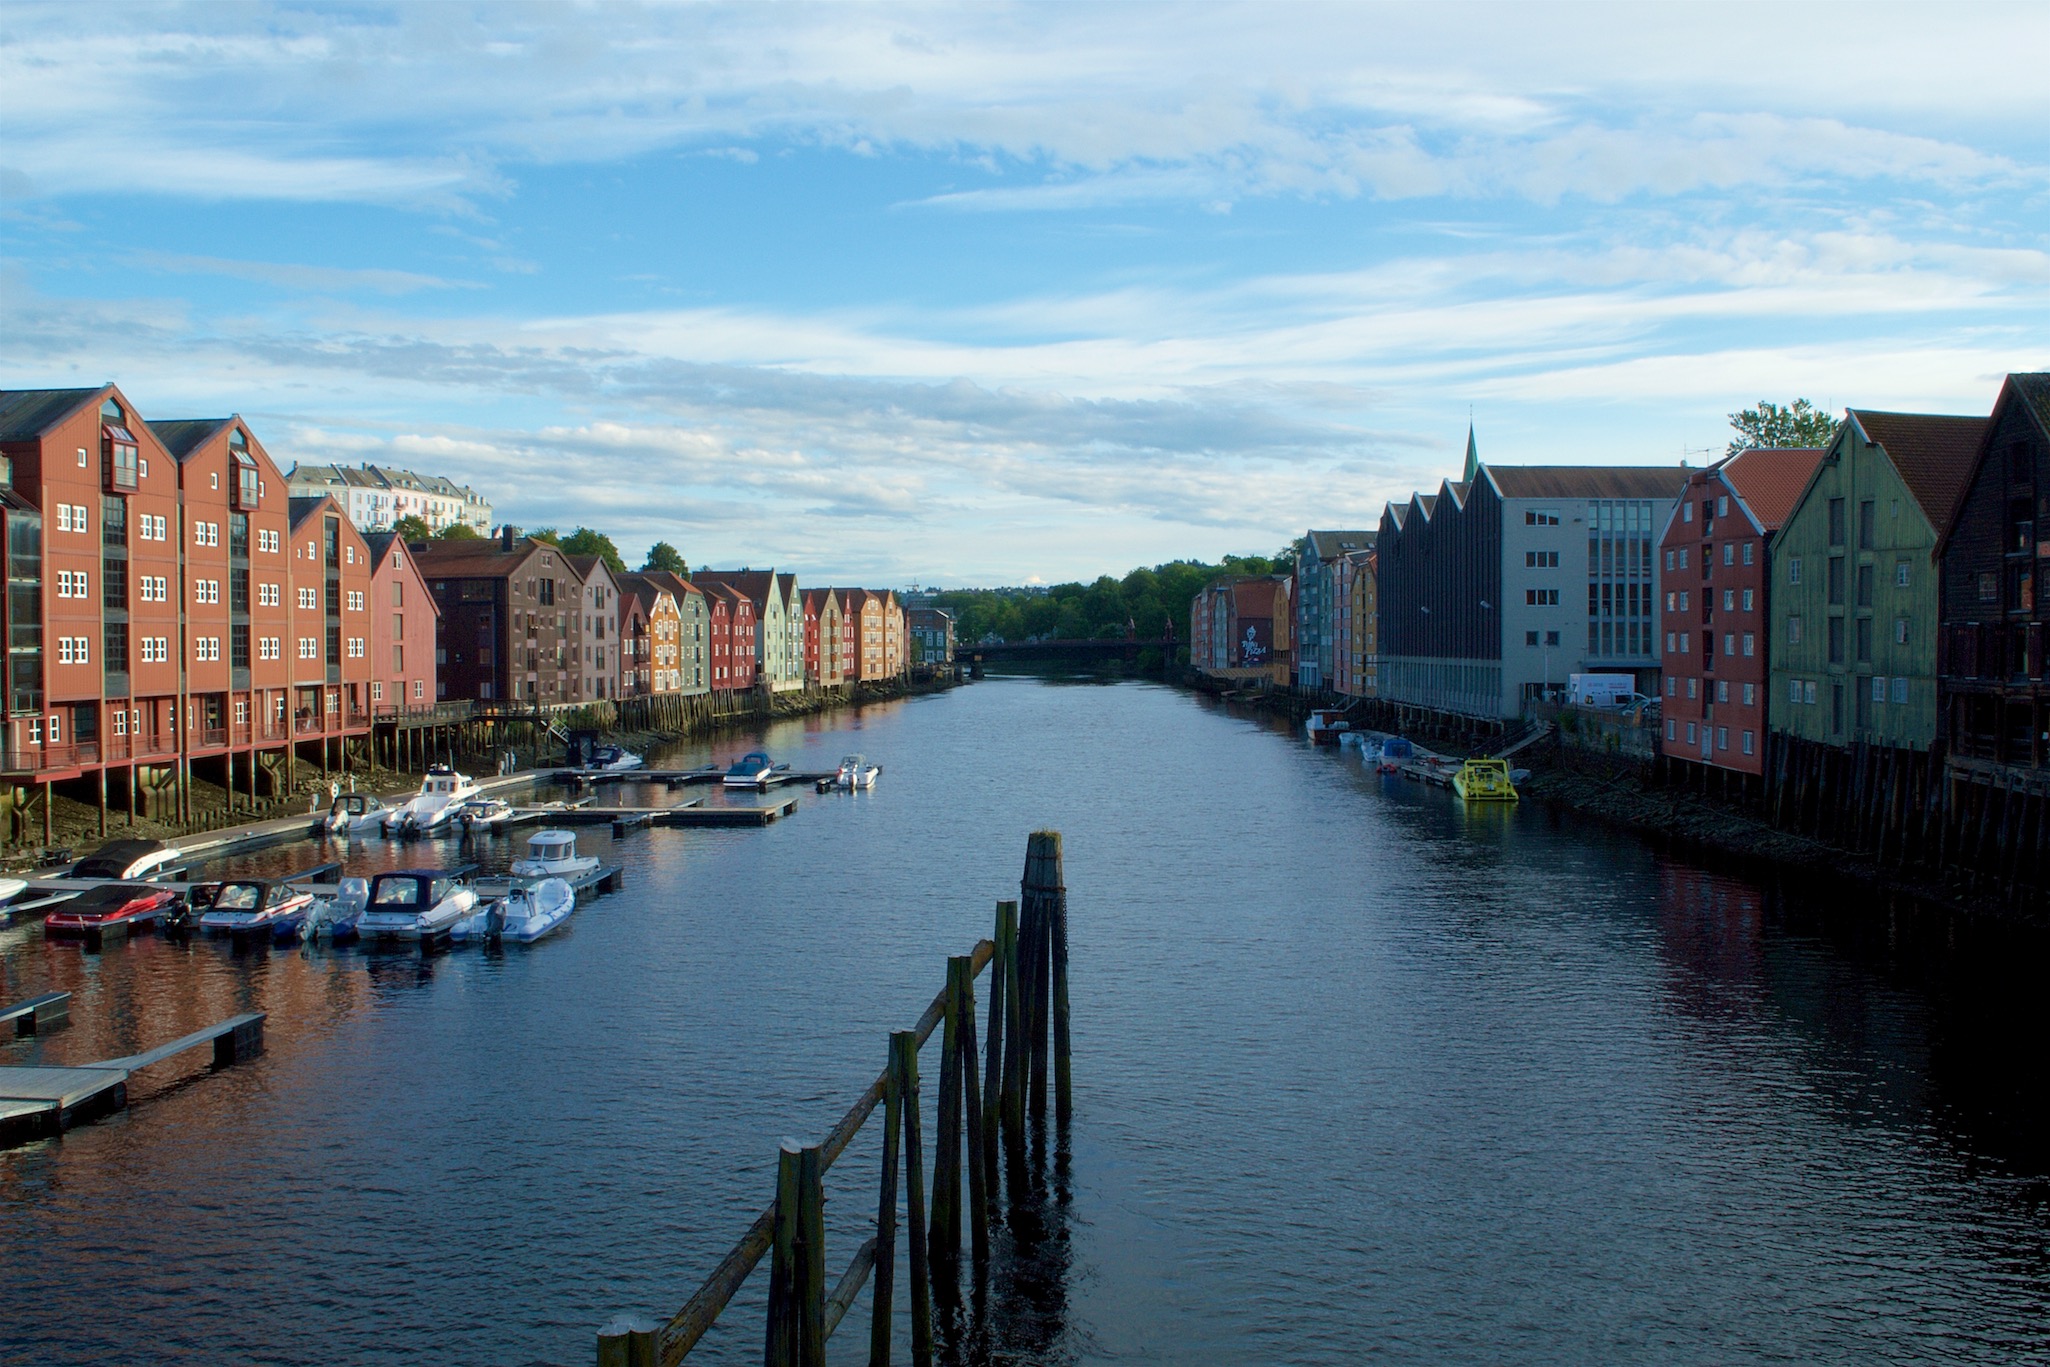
x=247, y=489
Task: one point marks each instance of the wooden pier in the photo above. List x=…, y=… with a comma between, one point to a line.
x=692, y=813
x=38, y=1102
x=684, y=778
x=37, y=1015
x=982, y=1134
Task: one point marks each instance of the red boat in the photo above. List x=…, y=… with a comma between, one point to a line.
x=109, y=910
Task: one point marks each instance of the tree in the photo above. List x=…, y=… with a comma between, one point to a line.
x=548, y=534
x=584, y=541
x=412, y=527
x=458, y=531
x=1799, y=424
x=663, y=556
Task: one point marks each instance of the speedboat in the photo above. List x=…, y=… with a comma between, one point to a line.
x=354, y=814
x=752, y=770
x=525, y=914
x=856, y=773
x=614, y=758
x=127, y=859
x=11, y=888
x=109, y=911
x=553, y=854
x=1395, y=752
x=442, y=793
x=334, y=917
x=414, y=904
x=484, y=813
x=268, y=907
x=1326, y=725
x=1484, y=780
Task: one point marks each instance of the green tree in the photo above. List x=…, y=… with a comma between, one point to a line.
x=584, y=541
x=458, y=531
x=1799, y=424
x=663, y=556
x=412, y=527
x=548, y=534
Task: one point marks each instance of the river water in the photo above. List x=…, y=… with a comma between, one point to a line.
x=1360, y=1075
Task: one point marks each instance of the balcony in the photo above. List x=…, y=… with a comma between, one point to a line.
x=213, y=737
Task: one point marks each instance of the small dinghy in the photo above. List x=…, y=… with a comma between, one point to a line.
x=525, y=914
x=334, y=918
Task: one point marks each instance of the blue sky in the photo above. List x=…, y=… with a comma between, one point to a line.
x=1000, y=293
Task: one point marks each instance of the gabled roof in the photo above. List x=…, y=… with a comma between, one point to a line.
x=182, y=436
x=479, y=559
x=1586, y=481
x=302, y=508
x=755, y=584
x=2034, y=389
x=1254, y=596
x=26, y=413
x=587, y=565
x=1934, y=454
x=1331, y=545
x=1770, y=481
x=381, y=545
x=675, y=585
x=641, y=587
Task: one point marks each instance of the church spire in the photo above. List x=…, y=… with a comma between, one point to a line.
x=1473, y=456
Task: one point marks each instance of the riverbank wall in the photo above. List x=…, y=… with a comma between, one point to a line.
x=1914, y=822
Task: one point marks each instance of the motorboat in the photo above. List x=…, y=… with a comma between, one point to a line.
x=414, y=904
x=614, y=758
x=126, y=860
x=752, y=770
x=1484, y=780
x=553, y=854
x=857, y=773
x=442, y=793
x=334, y=917
x=1395, y=752
x=11, y=888
x=484, y=813
x=525, y=914
x=1326, y=724
x=111, y=910
x=354, y=814
x=268, y=907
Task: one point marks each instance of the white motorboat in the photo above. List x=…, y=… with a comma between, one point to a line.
x=525, y=914
x=127, y=861
x=752, y=770
x=442, y=793
x=1326, y=724
x=484, y=813
x=11, y=888
x=414, y=904
x=553, y=854
x=266, y=907
x=336, y=917
x=857, y=773
x=354, y=814
x=614, y=759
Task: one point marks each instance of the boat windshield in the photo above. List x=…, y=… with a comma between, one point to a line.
x=396, y=892
x=551, y=851
x=239, y=897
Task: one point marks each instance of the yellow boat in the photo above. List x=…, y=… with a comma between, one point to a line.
x=1484, y=780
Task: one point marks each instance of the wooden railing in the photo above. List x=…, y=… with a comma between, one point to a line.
x=1028, y=1026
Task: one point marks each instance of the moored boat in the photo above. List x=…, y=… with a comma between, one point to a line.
x=484, y=813
x=615, y=759
x=1484, y=780
x=354, y=814
x=553, y=854
x=127, y=859
x=857, y=773
x=1326, y=724
x=110, y=910
x=1395, y=752
x=414, y=904
x=11, y=888
x=752, y=770
x=442, y=792
x=335, y=916
x=268, y=907
x=525, y=914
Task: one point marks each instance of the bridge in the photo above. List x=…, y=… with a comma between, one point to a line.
x=1067, y=648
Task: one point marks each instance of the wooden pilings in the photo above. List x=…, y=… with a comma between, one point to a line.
x=1044, y=976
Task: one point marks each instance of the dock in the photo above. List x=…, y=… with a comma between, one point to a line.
x=682, y=778
x=623, y=819
x=38, y=1102
x=37, y=1015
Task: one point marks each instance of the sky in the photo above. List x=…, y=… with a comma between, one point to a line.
x=994, y=294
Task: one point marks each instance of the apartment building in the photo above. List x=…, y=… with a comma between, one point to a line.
x=375, y=497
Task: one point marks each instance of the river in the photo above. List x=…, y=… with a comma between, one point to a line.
x=1359, y=1075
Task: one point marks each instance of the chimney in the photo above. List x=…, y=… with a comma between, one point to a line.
x=505, y=537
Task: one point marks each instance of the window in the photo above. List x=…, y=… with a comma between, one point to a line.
x=1672, y=686
x=1722, y=505
x=1750, y=694
x=1540, y=560
x=1836, y=522
x=1683, y=600
x=1722, y=738
x=1836, y=640
x=1867, y=525
x=1670, y=727
x=1729, y=552
x=1683, y=557
x=1748, y=742
x=1722, y=690
x=1747, y=600
x=1537, y=519
x=1691, y=734
x=1878, y=681
x=1900, y=574
x=1541, y=597
x=1864, y=639
x=355, y=600
x=1670, y=647
x=1836, y=581
x=1685, y=638
x=1900, y=631
x=1793, y=631
x=1669, y=560
x=376, y=691
x=1794, y=569
x=1865, y=577
x=1900, y=688
x=1687, y=510
x=1729, y=600
x=420, y=688
x=268, y=541
x=1808, y=692
x=1551, y=638
x=1793, y=690
x=1750, y=644
x=1693, y=688
x=1989, y=587
x=1729, y=643
x=1748, y=548
x=1530, y=638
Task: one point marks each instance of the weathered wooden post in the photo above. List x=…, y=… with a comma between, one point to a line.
x=629, y=1341
x=1042, y=893
x=1057, y=923
x=962, y=972
x=882, y=1306
x=1015, y=1017
x=993, y=1052
x=944, y=1245
x=797, y=1272
x=904, y=1060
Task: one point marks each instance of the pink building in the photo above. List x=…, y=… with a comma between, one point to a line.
x=402, y=620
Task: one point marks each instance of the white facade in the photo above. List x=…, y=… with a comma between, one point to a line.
x=377, y=496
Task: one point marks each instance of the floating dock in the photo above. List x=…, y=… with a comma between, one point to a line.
x=683, y=778
x=38, y=1102
x=623, y=819
x=37, y=1015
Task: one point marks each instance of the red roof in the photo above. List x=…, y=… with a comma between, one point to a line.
x=1935, y=454
x=1770, y=481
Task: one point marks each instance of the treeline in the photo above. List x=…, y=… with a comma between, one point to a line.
x=1141, y=603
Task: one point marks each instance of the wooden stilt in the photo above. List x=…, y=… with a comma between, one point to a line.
x=904, y=1054
x=1005, y=941
x=972, y=1114
x=882, y=1303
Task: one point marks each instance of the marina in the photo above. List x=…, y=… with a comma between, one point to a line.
x=618, y=1089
